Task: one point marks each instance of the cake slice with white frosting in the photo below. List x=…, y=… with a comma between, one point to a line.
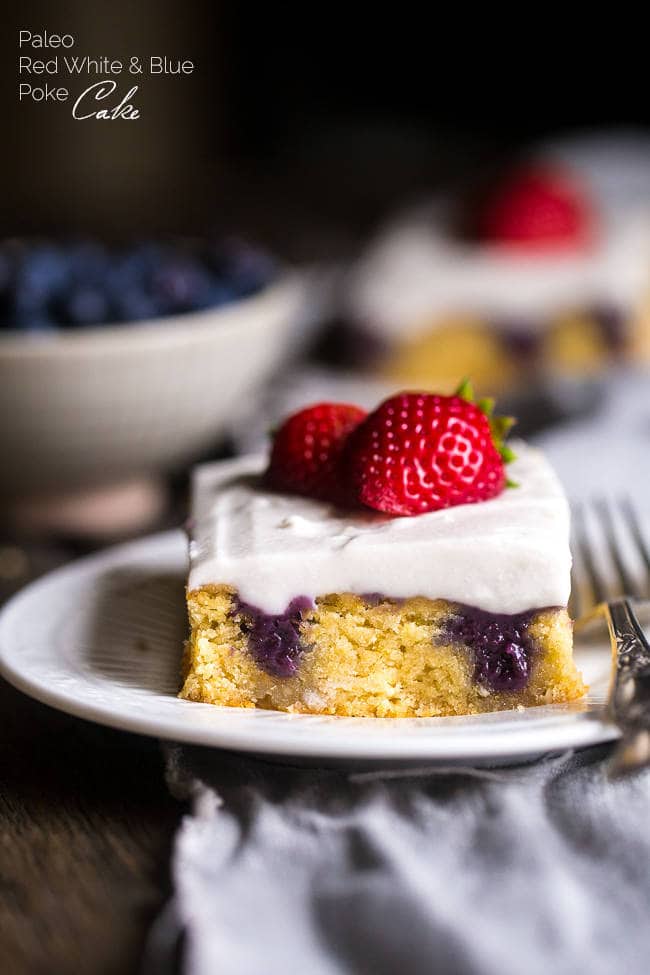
x=300, y=604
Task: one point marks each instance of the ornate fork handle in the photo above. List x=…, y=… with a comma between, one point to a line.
x=629, y=695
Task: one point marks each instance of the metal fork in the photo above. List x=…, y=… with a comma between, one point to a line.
x=611, y=549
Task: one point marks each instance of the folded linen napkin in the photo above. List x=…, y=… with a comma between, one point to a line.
x=530, y=869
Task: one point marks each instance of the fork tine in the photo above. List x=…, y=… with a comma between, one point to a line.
x=585, y=549
x=627, y=583
x=575, y=607
x=634, y=527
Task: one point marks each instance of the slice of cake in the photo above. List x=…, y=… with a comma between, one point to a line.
x=547, y=272
x=455, y=607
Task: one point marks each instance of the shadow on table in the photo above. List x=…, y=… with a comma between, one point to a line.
x=136, y=630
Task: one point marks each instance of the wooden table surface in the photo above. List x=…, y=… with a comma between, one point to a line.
x=86, y=825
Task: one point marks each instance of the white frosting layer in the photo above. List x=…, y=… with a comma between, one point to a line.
x=507, y=555
x=417, y=272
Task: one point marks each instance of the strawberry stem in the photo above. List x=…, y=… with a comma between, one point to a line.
x=500, y=426
x=466, y=390
x=486, y=405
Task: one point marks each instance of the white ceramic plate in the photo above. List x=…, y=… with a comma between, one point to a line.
x=102, y=638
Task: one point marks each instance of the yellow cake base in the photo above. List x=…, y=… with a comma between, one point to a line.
x=573, y=344
x=366, y=660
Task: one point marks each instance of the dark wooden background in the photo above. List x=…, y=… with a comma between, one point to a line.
x=86, y=825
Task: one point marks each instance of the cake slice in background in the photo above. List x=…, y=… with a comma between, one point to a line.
x=545, y=273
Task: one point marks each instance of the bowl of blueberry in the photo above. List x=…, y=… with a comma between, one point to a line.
x=117, y=362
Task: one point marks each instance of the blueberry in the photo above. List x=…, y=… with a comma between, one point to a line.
x=41, y=275
x=59, y=285
x=503, y=668
x=523, y=341
x=135, y=265
x=26, y=310
x=43, y=271
x=274, y=639
x=89, y=262
x=243, y=268
x=217, y=294
x=180, y=284
x=501, y=646
x=83, y=304
x=134, y=304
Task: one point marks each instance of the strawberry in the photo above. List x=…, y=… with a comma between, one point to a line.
x=421, y=452
x=540, y=209
x=307, y=449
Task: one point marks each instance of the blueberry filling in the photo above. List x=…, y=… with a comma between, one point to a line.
x=611, y=323
x=523, y=342
x=346, y=343
x=274, y=639
x=501, y=645
x=374, y=599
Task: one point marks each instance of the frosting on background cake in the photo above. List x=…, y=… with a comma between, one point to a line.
x=417, y=273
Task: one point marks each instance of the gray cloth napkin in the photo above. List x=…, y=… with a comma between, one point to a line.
x=536, y=869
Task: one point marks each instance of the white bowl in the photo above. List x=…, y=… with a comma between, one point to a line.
x=102, y=405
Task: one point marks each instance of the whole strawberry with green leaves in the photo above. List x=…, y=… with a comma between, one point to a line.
x=420, y=452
